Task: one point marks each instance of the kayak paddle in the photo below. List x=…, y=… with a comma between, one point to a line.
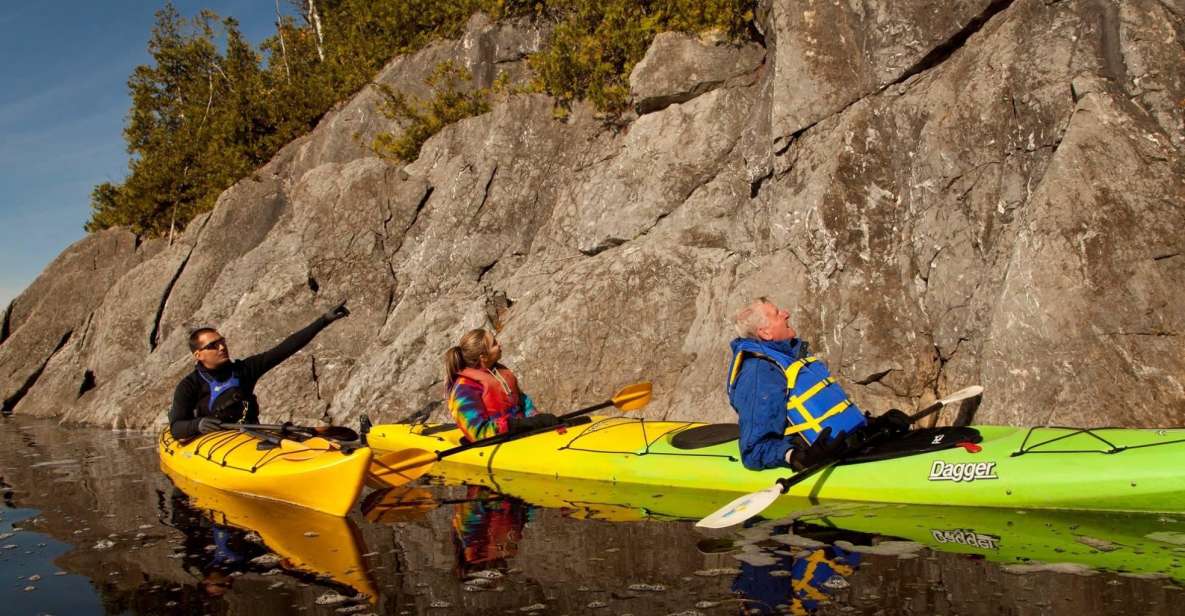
x=335, y=433
x=400, y=467
x=754, y=503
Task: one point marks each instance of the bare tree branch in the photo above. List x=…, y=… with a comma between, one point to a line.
x=283, y=48
x=314, y=18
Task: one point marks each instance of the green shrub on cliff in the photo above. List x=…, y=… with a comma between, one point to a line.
x=597, y=42
x=209, y=109
x=589, y=56
x=451, y=103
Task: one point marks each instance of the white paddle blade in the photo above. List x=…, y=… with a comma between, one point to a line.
x=963, y=394
x=741, y=509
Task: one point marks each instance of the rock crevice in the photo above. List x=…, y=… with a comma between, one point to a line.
x=9, y=404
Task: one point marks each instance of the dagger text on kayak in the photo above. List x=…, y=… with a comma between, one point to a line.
x=962, y=471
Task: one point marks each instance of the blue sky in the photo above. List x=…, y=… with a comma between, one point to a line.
x=62, y=108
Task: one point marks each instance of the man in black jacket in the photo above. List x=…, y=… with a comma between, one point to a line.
x=220, y=390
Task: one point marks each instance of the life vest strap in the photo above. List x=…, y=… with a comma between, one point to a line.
x=816, y=424
x=799, y=402
x=793, y=369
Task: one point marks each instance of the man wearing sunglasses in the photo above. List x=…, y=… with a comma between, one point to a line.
x=221, y=390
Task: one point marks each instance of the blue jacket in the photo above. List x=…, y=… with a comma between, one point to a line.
x=759, y=398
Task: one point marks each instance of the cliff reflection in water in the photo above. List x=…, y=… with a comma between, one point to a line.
x=506, y=545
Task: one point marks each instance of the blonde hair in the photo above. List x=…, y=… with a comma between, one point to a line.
x=467, y=354
x=750, y=318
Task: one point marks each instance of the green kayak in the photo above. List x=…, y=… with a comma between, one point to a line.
x=1047, y=468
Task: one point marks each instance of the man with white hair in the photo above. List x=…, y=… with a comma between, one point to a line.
x=790, y=410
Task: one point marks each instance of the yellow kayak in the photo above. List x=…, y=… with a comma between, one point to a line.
x=307, y=541
x=315, y=473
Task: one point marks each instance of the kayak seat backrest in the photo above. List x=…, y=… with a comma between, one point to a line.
x=705, y=436
x=915, y=442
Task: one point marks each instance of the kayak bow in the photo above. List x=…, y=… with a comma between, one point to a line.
x=313, y=473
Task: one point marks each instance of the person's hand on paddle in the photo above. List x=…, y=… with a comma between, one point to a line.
x=892, y=422
x=822, y=450
x=534, y=422
x=339, y=312
x=207, y=425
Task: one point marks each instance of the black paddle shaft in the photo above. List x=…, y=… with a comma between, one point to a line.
x=337, y=433
x=850, y=447
x=513, y=436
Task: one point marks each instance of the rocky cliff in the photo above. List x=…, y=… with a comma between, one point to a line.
x=977, y=191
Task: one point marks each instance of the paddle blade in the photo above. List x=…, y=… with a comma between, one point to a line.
x=741, y=509
x=632, y=397
x=393, y=505
x=400, y=467
x=963, y=394
x=937, y=405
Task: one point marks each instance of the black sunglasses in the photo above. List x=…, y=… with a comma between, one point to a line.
x=214, y=344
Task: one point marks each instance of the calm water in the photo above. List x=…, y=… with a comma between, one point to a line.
x=89, y=525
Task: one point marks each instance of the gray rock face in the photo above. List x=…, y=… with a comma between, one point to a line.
x=1109, y=300
x=679, y=67
x=827, y=55
x=59, y=305
x=989, y=192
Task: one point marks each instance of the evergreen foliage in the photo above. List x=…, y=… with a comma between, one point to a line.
x=450, y=104
x=597, y=42
x=210, y=109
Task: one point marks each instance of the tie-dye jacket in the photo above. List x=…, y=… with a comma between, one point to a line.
x=468, y=411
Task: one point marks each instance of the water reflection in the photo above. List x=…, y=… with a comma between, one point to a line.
x=211, y=552
x=487, y=531
x=228, y=535
x=487, y=528
x=133, y=545
x=796, y=584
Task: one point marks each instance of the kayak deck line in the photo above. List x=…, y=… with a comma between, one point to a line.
x=648, y=443
x=1143, y=472
x=1023, y=450
x=217, y=440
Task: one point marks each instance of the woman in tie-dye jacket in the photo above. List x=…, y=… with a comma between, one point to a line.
x=484, y=397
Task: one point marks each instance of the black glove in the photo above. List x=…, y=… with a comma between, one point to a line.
x=545, y=420
x=534, y=422
x=207, y=425
x=892, y=422
x=824, y=449
x=337, y=313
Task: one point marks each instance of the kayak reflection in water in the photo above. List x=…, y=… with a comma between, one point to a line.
x=213, y=553
x=813, y=580
x=487, y=530
x=224, y=559
x=483, y=395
